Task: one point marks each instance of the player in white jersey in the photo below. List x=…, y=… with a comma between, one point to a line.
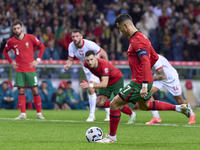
x=78, y=47
x=167, y=76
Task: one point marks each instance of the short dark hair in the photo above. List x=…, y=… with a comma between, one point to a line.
x=76, y=30
x=122, y=17
x=16, y=22
x=69, y=82
x=88, y=53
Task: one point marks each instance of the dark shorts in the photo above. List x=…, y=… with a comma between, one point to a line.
x=26, y=79
x=131, y=92
x=111, y=89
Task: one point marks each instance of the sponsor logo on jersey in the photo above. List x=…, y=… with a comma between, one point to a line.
x=81, y=52
x=27, y=45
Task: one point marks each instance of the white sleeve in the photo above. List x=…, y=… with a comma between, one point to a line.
x=158, y=65
x=93, y=46
x=70, y=51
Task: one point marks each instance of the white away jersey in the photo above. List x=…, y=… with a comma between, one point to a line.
x=170, y=72
x=80, y=52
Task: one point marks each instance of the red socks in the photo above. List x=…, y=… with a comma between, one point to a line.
x=37, y=102
x=158, y=105
x=22, y=102
x=115, y=116
x=126, y=109
x=107, y=104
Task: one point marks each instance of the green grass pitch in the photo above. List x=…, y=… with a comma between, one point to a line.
x=65, y=130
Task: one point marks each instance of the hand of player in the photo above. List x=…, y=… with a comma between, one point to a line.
x=84, y=84
x=143, y=92
x=66, y=67
x=14, y=65
x=34, y=63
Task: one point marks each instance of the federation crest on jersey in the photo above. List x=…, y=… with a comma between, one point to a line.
x=81, y=52
x=106, y=70
x=27, y=45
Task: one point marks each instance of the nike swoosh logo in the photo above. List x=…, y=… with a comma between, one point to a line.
x=15, y=46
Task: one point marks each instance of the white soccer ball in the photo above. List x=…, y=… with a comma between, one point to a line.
x=94, y=134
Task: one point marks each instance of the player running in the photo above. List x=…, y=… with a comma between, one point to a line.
x=111, y=82
x=78, y=47
x=167, y=76
x=25, y=73
x=139, y=89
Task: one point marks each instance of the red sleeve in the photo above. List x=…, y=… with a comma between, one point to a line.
x=42, y=49
x=39, y=44
x=5, y=52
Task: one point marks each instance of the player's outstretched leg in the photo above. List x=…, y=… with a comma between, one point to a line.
x=92, y=103
x=156, y=118
x=22, y=106
x=158, y=105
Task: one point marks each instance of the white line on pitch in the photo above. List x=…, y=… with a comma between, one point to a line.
x=174, y=125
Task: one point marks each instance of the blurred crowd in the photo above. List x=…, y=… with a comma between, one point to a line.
x=173, y=26
x=62, y=98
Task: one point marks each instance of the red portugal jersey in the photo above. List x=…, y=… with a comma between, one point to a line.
x=23, y=51
x=141, y=57
x=106, y=69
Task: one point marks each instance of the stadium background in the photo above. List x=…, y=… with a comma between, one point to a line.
x=173, y=27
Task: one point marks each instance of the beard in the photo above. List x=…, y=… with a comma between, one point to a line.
x=17, y=35
x=78, y=43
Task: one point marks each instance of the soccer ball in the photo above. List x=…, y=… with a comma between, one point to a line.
x=94, y=134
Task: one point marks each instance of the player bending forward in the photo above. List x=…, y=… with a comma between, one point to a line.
x=164, y=70
x=78, y=47
x=25, y=73
x=111, y=82
x=139, y=89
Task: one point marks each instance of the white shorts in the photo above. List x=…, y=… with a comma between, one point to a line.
x=173, y=87
x=92, y=77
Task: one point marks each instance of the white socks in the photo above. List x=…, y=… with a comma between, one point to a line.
x=23, y=114
x=155, y=113
x=178, y=108
x=107, y=110
x=92, y=103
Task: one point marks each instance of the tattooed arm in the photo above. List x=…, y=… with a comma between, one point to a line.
x=160, y=75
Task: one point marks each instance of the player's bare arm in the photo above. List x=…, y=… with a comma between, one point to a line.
x=68, y=64
x=102, y=84
x=102, y=54
x=160, y=76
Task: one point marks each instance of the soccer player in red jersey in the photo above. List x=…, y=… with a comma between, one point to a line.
x=111, y=81
x=141, y=57
x=25, y=73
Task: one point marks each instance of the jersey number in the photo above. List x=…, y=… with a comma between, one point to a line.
x=17, y=51
x=175, y=88
x=36, y=81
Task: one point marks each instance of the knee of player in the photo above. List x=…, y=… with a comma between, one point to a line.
x=100, y=101
x=91, y=91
